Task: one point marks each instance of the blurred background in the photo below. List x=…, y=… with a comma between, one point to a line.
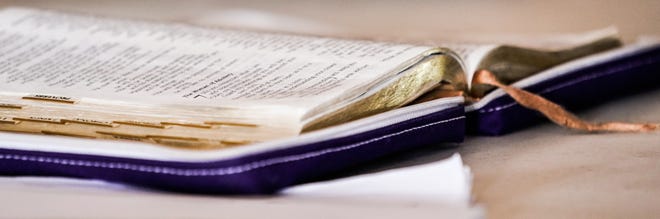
x=413, y=20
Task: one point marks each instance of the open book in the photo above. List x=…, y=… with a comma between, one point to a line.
x=194, y=87
x=126, y=101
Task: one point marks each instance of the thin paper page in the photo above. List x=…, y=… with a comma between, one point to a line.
x=470, y=56
x=156, y=63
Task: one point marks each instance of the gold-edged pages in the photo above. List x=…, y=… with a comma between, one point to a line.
x=144, y=81
x=201, y=134
x=134, y=130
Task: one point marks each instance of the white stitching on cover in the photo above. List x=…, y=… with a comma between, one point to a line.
x=214, y=171
x=498, y=108
x=563, y=85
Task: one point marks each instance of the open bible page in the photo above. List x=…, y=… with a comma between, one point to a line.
x=175, y=64
x=473, y=54
x=470, y=56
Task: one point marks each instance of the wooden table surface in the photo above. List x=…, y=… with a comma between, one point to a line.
x=541, y=172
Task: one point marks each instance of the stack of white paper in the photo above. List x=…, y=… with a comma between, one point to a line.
x=435, y=190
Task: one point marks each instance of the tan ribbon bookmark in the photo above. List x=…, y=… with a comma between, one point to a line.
x=557, y=113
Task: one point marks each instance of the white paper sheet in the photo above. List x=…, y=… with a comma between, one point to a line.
x=436, y=190
x=445, y=182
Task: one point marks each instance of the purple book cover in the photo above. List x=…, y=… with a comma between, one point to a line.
x=576, y=85
x=269, y=170
x=268, y=167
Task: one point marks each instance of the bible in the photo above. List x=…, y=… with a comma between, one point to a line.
x=195, y=87
x=182, y=107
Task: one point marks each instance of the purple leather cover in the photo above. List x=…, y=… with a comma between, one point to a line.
x=270, y=171
x=260, y=173
x=576, y=90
